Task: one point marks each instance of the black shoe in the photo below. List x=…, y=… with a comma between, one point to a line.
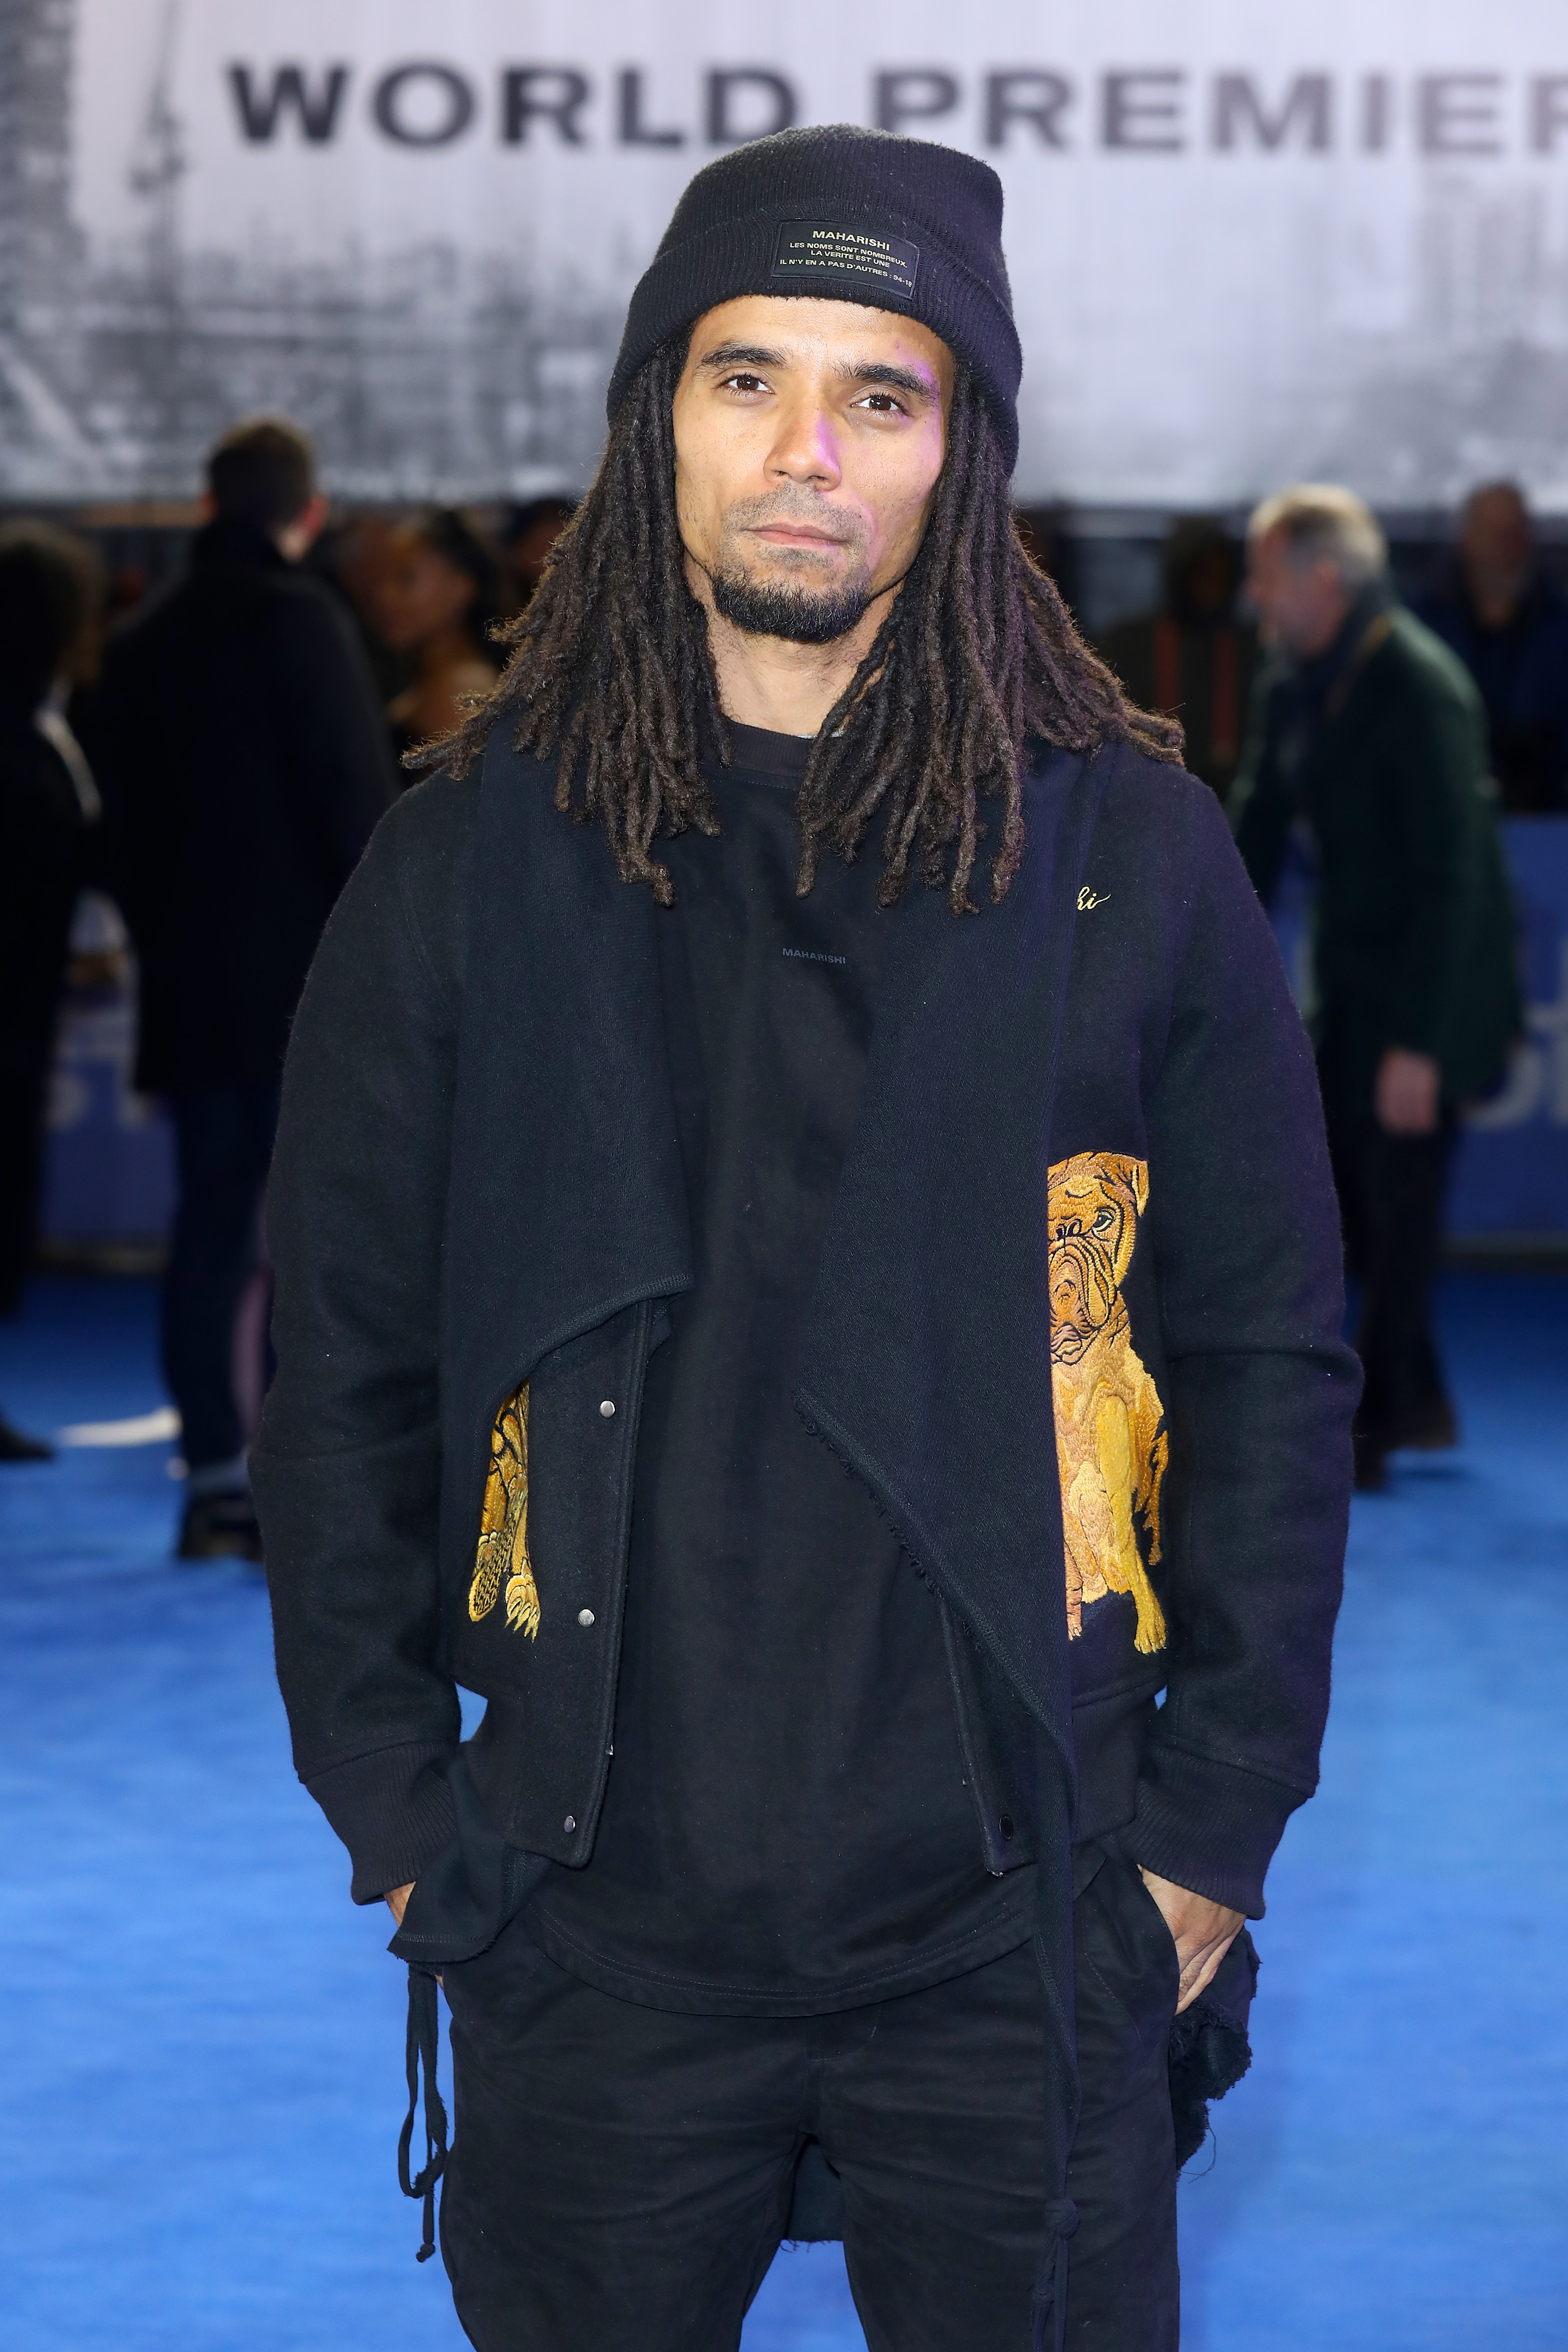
x=1371, y=1465
x=1429, y=1428
x=219, y=1527
x=16, y=1447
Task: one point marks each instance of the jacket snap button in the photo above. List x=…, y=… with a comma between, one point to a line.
x=608, y=1407
x=570, y=1823
x=585, y=1616
x=1006, y=1826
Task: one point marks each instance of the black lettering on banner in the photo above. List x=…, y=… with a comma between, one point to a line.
x=1376, y=112
x=911, y=94
x=1548, y=112
x=804, y=247
x=316, y=111
x=1029, y=94
x=1307, y=105
x=633, y=130
x=386, y=105
x=555, y=94
x=1457, y=113
x=1141, y=110
x=724, y=85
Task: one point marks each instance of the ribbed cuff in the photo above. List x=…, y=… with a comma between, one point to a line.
x=1209, y=1827
x=393, y=1811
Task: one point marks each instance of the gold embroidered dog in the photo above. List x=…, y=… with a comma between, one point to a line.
x=503, y=1550
x=1111, y=1441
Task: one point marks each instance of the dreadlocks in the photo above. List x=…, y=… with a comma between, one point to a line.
x=610, y=669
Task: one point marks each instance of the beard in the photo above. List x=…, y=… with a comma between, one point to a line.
x=789, y=607
x=805, y=616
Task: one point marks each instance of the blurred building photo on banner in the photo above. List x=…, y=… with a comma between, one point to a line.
x=341, y=399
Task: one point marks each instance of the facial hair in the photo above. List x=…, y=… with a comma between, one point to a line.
x=784, y=608
x=775, y=609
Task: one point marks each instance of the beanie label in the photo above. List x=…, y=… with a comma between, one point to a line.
x=803, y=247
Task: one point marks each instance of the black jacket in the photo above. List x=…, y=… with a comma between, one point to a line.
x=479, y=1184
x=43, y=831
x=1414, y=932
x=244, y=762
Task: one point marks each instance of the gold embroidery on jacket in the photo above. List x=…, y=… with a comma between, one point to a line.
x=1111, y=1441
x=504, y=1525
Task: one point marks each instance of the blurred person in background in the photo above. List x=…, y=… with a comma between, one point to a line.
x=1194, y=658
x=1369, y=739
x=1509, y=625
x=350, y=555
x=244, y=762
x=438, y=596
x=50, y=596
x=530, y=532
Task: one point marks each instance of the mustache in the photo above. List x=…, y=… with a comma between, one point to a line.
x=805, y=509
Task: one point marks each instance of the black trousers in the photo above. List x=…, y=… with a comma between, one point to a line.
x=1391, y=1190
x=23, y=1086
x=223, y=1137
x=621, y=2177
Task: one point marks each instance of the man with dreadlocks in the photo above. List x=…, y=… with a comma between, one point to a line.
x=807, y=1277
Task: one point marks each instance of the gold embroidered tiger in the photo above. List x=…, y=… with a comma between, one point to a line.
x=1112, y=1447
x=503, y=1551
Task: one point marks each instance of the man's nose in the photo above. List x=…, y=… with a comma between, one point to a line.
x=806, y=448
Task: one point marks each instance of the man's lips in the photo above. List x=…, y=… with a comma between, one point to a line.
x=795, y=534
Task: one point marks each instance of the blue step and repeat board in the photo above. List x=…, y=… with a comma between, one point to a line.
x=110, y=1158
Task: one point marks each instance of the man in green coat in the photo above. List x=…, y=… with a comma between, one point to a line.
x=1368, y=745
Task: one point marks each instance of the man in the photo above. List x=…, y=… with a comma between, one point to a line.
x=1509, y=625
x=1193, y=658
x=244, y=763
x=819, y=1358
x=1368, y=738
x=50, y=595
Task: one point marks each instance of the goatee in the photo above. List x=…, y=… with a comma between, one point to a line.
x=763, y=609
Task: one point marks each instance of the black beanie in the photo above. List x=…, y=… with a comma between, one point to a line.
x=857, y=216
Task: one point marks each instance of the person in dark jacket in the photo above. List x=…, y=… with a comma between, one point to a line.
x=1509, y=625
x=49, y=589
x=814, y=1288
x=244, y=762
x=1194, y=657
x=1369, y=743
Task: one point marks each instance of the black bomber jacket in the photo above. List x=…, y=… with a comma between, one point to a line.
x=1076, y=1324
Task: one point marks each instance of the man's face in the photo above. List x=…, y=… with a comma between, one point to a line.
x=1299, y=603
x=809, y=438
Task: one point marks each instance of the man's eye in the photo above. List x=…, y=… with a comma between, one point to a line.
x=884, y=403
x=746, y=382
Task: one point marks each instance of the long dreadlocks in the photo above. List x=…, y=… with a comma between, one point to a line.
x=610, y=671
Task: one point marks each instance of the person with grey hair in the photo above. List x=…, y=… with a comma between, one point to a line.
x=1368, y=744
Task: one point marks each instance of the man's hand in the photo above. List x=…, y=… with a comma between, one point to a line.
x=1202, y=1931
x=397, y=1900
x=1408, y=1090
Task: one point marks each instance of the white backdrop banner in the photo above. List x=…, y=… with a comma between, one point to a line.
x=1247, y=243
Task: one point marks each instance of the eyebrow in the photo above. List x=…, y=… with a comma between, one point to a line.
x=877, y=373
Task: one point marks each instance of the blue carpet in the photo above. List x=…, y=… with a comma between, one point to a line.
x=205, y=2044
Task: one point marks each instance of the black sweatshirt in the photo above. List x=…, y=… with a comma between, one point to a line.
x=788, y=1823
x=1075, y=1325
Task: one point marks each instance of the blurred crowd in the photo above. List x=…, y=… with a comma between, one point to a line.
x=210, y=760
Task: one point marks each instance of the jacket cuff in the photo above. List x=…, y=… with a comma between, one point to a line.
x=393, y=1811
x=1209, y=1827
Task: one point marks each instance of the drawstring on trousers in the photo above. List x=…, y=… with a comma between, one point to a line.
x=424, y=2046
x=1061, y=2221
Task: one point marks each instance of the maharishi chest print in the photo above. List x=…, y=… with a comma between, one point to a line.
x=1111, y=1442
